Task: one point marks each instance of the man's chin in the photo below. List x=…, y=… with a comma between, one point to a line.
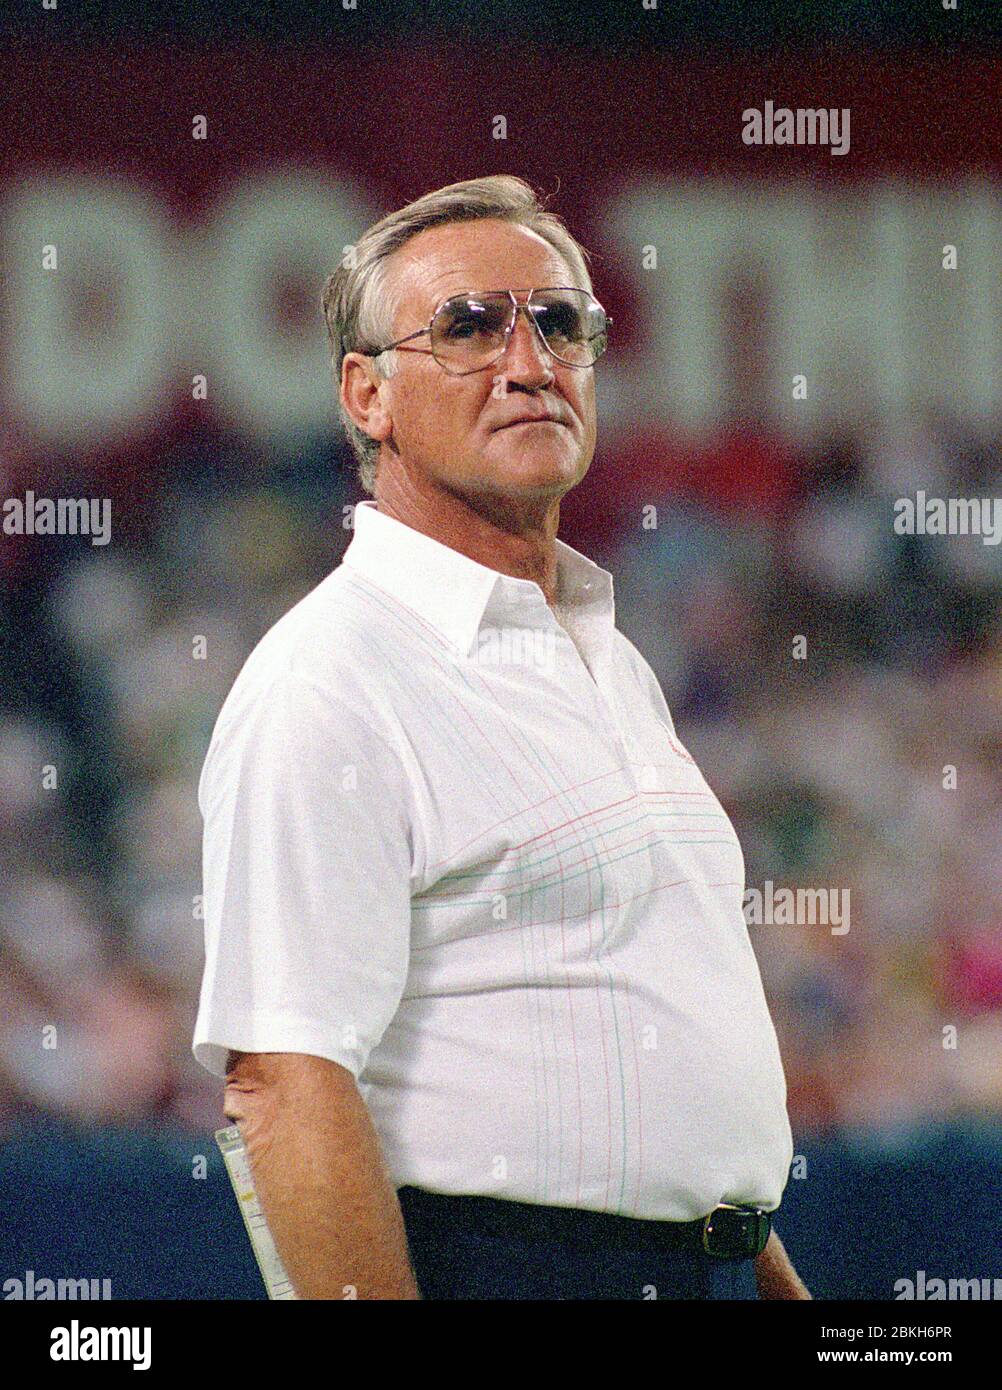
x=533, y=469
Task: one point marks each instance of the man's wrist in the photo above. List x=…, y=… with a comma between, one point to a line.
x=774, y=1274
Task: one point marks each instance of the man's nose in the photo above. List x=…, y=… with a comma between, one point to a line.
x=526, y=359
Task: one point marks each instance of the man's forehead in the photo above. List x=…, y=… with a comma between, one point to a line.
x=483, y=255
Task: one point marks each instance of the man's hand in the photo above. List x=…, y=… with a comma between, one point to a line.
x=775, y=1275
x=317, y=1167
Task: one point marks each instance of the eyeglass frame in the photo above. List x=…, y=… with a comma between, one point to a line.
x=516, y=306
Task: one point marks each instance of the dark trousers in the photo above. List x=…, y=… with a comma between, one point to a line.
x=485, y=1248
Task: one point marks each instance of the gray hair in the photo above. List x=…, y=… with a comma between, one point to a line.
x=358, y=305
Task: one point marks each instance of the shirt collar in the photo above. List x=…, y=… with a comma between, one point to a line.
x=458, y=596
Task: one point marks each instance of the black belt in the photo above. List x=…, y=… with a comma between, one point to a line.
x=729, y=1232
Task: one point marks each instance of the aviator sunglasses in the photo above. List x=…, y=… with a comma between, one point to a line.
x=471, y=331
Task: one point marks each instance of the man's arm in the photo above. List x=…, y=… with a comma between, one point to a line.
x=317, y=1166
x=775, y=1275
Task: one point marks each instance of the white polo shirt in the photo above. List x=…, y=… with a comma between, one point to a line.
x=463, y=854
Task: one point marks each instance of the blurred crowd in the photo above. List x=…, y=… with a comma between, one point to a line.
x=840, y=686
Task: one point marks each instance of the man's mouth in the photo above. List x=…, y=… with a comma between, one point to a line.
x=529, y=420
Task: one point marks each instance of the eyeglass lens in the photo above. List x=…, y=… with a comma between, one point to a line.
x=470, y=331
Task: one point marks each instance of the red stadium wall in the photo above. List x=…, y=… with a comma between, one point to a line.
x=183, y=257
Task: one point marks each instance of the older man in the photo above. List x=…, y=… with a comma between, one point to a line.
x=476, y=967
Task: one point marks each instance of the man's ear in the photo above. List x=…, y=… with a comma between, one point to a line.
x=362, y=398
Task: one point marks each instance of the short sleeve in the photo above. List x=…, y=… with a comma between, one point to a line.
x=306, y=875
